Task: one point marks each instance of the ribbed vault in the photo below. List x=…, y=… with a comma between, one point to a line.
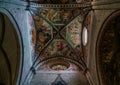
x=58, y=46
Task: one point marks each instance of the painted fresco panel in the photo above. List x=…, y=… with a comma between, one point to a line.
x=58, y=47
x=58, y=16
x=74, y=33
x=44, y=33
x=58, y=33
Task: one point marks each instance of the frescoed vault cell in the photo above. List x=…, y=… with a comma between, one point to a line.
x=58, y=17
x=73, y=33
x=44, y=33
x=57, y=48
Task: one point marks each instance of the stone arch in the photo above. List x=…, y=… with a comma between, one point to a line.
x=11, y=48
x=109, y=49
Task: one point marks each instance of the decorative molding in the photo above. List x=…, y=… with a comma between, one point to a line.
x=84, y=5
x=105, y=2
x=106, y=5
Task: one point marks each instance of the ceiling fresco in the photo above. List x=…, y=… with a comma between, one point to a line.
x=58, y=17
x=59, y=30
x=57, y=37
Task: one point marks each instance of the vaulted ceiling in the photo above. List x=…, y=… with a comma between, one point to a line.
x=59, y=32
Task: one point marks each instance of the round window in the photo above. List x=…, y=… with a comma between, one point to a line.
x=84, y=36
